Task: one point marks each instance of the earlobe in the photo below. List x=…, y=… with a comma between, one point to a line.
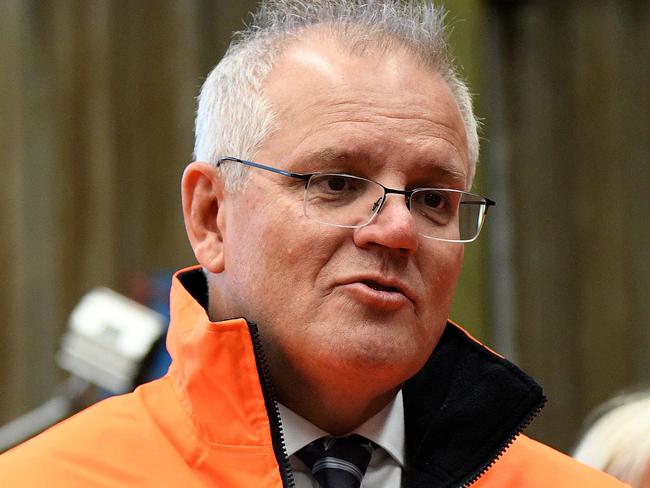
x=203, y=194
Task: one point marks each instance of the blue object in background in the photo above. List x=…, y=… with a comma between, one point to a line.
x=156, y=297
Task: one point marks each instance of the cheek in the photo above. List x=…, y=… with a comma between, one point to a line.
x=453, y=266
x=441, y=272
x=280, y=249
x=299, y=255
x=249, y=240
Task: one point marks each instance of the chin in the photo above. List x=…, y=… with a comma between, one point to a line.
x=390, y=361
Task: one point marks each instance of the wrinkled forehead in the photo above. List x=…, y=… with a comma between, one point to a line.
x=318, y=87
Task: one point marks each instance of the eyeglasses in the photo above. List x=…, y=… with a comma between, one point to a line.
x=344, y=200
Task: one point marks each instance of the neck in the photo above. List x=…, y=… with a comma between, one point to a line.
x=337, y=410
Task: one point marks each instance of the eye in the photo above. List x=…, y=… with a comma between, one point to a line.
x=438, y=207
x=336, y=182
x=337, y=185
x=434, y=199
x=337, y=188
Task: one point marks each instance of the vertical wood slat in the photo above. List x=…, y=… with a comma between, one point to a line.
x=67, y=40
x=13, y=366
x=636, y=69
x=498, y=153
x=95, y=149
x=41, y=145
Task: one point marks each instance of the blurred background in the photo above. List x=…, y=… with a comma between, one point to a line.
x=97, y=99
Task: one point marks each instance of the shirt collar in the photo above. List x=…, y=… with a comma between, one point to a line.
x=385, y=429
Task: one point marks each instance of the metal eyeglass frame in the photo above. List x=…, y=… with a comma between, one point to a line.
x=407, y=194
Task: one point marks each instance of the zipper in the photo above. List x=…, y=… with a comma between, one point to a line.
x=520, y=428
x=277, y=436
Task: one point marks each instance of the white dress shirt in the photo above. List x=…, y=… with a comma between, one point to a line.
x=386, y=429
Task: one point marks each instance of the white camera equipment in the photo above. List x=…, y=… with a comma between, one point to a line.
x=107, y=345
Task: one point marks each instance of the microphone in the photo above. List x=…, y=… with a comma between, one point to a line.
x=108, y=344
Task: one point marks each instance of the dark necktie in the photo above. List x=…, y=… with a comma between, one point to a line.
x=337, y=462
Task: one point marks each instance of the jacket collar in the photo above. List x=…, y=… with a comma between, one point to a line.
x=214, y=369
x=461, y=410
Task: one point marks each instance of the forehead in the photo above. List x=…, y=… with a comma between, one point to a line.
x=384, y=110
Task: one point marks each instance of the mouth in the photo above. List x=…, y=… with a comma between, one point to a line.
x=379, y=287
x=387, y=294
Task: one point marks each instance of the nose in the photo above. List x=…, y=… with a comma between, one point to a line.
x=393, y=227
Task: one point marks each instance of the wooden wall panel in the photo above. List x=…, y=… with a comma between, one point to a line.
x=573, y=86
x=13, y=301
x=97, y=106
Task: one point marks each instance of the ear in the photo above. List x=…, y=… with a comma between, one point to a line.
x=203, y=193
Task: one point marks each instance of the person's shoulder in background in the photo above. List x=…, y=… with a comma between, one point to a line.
x=616, y=438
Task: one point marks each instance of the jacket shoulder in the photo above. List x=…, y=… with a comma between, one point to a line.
x=531, y=464
x=112, y=443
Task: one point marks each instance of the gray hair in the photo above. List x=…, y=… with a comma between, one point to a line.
x=233, y=116
x=618, y=438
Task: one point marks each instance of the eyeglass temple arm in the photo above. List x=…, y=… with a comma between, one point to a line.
x=301, y=176
x=488, y=203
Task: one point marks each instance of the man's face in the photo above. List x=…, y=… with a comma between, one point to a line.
x=367, y=303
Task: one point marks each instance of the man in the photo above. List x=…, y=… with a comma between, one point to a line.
x=328, y=208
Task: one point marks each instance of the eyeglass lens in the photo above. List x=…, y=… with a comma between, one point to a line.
x=350, y=201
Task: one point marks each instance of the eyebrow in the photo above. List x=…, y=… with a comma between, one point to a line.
x=450, y=173
x=328, y=155
x=443, y=171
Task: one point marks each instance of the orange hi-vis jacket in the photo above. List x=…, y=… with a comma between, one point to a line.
x=212, y=420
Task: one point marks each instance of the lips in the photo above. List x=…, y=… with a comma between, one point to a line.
x=387, y=291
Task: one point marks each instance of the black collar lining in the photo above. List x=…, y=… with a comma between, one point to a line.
x=462, y=409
